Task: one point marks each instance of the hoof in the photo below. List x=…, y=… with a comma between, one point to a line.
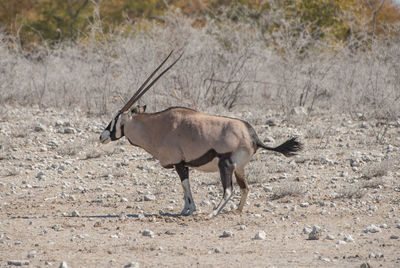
x=237, y=212
x=187, y=212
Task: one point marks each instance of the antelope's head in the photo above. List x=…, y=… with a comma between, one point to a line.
x=115, y=129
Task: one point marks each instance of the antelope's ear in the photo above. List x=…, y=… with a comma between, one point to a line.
x=139, y=109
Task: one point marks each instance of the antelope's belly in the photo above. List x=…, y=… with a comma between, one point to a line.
x=211, y=166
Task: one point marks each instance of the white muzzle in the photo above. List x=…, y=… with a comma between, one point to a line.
x=105, y=137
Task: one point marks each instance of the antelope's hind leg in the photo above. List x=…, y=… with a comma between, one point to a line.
x=226, y=168
x=183, y=173
x=244, y=187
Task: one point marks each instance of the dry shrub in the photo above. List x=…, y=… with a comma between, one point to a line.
x=373, y=183
x=350, y=192
x=70, y=149
x=257, y=171
x=288, y=189
x=93, y=153
x=378, y=169
x=225, y=64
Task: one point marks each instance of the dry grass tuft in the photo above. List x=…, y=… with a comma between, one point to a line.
x=70, y=149
x=289, y=189
x=373, y=183
x=350, y=192
x=93, y=153
x=378, y=169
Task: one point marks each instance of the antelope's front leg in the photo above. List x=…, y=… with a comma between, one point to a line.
x=183, y=173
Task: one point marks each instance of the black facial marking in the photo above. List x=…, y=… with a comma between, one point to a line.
x=113, y=131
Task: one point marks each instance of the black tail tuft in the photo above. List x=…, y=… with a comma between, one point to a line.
x=288, y=148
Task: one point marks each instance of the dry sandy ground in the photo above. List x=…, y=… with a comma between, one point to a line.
x=65, y=198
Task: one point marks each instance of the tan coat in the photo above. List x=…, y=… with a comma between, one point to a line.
x=181, y=134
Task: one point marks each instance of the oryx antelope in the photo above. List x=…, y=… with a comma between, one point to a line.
x=183, y=138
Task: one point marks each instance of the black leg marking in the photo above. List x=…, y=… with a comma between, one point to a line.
x=183, y=173
x=226, y=168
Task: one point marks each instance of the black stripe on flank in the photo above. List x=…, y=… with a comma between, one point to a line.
x=201, y=161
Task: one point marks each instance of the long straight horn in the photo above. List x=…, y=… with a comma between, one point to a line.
x=155, y=80
x=134, y=97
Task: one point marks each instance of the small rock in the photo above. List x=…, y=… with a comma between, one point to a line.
x=372, y=229
x=148, y=233
x=75, y=213
x=31, y=254
x=260, y=235
x=217, y=250
x=304, y=204
x=315, y=233
x=269, y=140
x=348, y=238
x=284, y=176
x=63, y=265
x=41, y=176
x=326, y=259
x=383, y=226
x=364, y=125
x=149, y=197
x=242, y=227
x=17, y=262
x=330, y=237
x=69, y=130
x=271, y=122
x=307, y=230
x=267, y=189
x=132, y=265
x=227, y=234
x=38, y=128
x=301, y=111
x=205, y=203
x=365, y=265
x=394, y=237
x=341, y=242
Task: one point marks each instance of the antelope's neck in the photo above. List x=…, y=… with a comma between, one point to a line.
x=142, y=132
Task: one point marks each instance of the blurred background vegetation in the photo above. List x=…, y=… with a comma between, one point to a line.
x=336, y=55
x=51, y=21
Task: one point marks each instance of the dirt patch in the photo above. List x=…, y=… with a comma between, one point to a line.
x=63, y=197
